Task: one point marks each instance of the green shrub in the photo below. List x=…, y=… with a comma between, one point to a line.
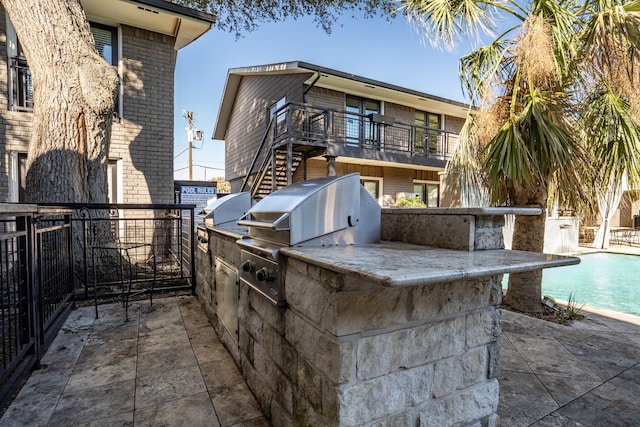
x=410, y=202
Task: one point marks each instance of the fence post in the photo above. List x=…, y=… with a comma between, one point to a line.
x=192, y=248
x=32, y=305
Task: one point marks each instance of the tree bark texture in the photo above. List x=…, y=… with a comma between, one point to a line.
x=74, y=92
x=525, y=289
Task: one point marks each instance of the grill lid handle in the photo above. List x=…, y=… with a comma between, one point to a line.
x=244, y=220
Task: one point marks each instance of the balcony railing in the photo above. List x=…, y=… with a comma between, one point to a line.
x=304, y=124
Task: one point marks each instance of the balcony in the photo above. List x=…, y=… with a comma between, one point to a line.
x=373, y=136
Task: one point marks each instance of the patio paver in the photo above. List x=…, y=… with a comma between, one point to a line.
x=166, y=367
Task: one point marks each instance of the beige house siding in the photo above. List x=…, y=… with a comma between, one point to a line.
x=249, y=119
x=326, y=98
x=15, y=127
x=142, y=140
x=402, y=113
x=248, y=122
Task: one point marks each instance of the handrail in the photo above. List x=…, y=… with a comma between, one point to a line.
x=259, y=150
x=320, y=127
x=244, y=220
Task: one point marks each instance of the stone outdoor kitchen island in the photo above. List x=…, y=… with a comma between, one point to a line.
x=400, y=333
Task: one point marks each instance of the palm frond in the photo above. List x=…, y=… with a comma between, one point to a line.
x=464, y=175
x=482, y=68
x=532, y=147
x=443, y=23
x=611, y=41
x=612, y=136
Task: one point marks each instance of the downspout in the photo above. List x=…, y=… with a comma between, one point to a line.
x=313, y=83
x=304, y=101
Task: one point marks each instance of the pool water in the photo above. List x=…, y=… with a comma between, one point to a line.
x=601, y=279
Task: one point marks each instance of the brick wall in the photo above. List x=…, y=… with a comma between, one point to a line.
x=143, y=140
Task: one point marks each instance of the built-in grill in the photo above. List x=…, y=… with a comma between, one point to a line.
x=223, y=214
x=326, y=211
x=226, y=210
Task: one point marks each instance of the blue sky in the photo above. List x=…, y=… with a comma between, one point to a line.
x=373, y=48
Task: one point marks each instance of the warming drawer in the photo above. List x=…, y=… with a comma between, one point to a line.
x=227, y=297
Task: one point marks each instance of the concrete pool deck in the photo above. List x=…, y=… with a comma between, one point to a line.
x=586, y=373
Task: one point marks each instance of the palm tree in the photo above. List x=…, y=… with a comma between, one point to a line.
x=554, y=94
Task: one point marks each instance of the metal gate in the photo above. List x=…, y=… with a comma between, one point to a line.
x=36, y=286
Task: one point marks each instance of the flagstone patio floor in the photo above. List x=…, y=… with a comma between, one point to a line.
x=166, y=367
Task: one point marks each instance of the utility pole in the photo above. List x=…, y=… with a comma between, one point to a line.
x=190, y=141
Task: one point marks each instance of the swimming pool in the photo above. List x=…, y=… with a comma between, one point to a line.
x=601, y=279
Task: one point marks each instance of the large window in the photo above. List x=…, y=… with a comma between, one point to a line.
x=373, y=185
x=358, y=128
x=429, y=192
x=427, y=134
x=20, y=84
x=273, y=110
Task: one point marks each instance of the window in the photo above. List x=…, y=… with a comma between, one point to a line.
x=373, y=185
x=429, y=192
x=18, y=177
x=106, y=39
x=20, y=84
x=114, y=181
x=275, y=107
x=427, y=134
x=358, y=127
x=280, y=124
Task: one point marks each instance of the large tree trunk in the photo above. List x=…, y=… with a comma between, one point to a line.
x=74, y=92
x=525, y=289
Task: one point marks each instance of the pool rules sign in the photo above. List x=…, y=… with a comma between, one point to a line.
x=199, y=193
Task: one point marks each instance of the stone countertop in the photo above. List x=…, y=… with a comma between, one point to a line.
x=467, y=211
x=400, y=264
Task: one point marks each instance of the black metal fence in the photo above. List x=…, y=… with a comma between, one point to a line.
x=119, y=244
x=36, y=286
x=50, y=256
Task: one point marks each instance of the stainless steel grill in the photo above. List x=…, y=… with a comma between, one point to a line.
x=225, y=211
x=326, y=211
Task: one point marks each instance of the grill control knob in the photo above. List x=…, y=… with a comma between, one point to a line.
x=263, y=275
x=247, y=266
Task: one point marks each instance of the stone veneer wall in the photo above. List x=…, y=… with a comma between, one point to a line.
x=350, y=352
x=466, y=232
